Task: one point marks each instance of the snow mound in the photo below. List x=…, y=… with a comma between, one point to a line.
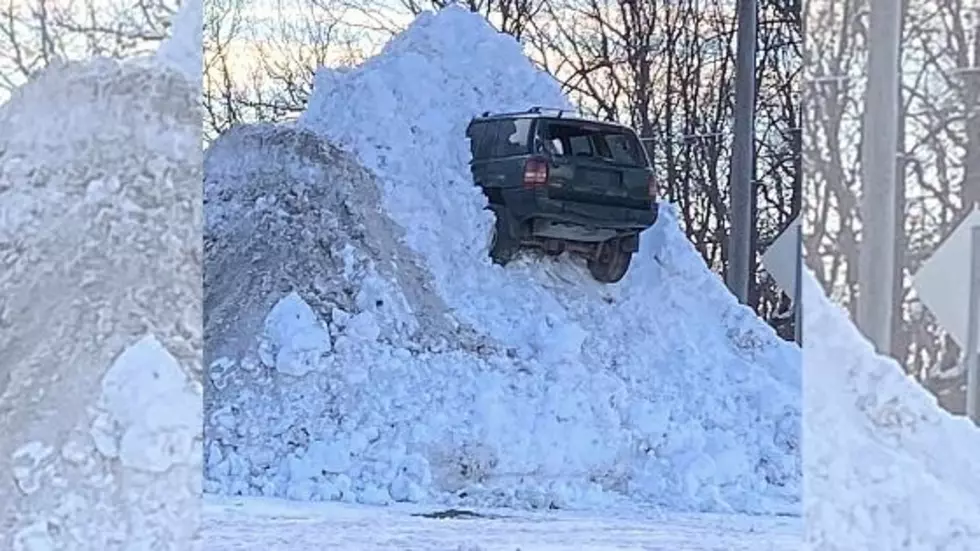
x=886, y=467
x=100, y=306
x=449, y=378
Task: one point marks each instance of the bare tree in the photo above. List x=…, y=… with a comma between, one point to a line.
x=222, y=102
x=514, y=17
x=667, y=68
x=260, y=66
x=938, y=130
x=36, y=33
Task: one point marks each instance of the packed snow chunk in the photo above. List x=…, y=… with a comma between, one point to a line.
x=885, y=467
x=295, y=341
x=374, y=495
x=413, y=476
x=27, y=465
x=332, y=457
x=364, y=327
x=149, y=400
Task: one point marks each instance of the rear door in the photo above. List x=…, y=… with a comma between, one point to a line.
x=596, y=163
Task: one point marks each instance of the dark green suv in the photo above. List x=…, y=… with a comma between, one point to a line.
x=563, y=183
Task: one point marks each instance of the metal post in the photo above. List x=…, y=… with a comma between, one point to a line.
x=876, y=266
x=972, y=354
x=797, y=208
x=798, y=291
x=753, y=285
x=743, y=152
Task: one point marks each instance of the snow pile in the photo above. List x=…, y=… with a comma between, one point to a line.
x=885, y=467
x=100, y=309
x=448, y=378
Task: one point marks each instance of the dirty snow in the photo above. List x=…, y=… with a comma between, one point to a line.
x=449, y=379
x=100, y=307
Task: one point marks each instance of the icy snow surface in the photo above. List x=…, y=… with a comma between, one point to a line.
x=451, y=379
x=885, y=467
x=273, y=525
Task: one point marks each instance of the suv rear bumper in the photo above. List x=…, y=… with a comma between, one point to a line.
x=584, y=214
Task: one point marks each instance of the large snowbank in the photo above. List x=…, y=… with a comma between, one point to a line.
x=885, y=467
x=530, y=385
x=100, y=337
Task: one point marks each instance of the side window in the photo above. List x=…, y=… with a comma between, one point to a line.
x=580, y=146
x=624, y=149
x=550, y=140
x=512, y=137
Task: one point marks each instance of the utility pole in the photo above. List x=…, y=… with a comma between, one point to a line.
x=743, y=154
x=876, y=267
x=797, y=210
x=898, y=344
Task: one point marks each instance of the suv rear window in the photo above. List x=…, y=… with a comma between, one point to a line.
x=499, y=138
x=592, y=140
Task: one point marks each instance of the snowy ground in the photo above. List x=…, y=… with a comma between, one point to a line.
x=232, y=524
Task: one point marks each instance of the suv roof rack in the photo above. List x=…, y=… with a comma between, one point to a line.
x=536, y=110
x=560, y=113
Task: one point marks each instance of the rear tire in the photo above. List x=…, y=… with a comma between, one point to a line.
x=612, y=264
x=503, y=244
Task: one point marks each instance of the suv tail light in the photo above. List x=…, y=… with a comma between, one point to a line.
x=535, y=172
x=651, y=185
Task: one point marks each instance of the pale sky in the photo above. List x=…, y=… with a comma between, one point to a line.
x=268, y=21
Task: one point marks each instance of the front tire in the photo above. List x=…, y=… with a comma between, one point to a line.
x=612, y=263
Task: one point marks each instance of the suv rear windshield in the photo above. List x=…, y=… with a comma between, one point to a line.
x=499, y=138
x=609, y=143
